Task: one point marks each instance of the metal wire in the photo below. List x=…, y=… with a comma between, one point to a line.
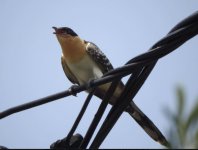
x=139, y=68
x=70, y=134
x=98, y=115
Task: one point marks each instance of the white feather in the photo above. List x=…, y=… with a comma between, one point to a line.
x=85, y=70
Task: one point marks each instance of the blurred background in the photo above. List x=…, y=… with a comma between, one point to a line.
x=30, y=66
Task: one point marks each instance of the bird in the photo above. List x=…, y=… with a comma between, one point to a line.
x=83, y=61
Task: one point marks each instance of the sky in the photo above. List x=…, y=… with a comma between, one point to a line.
x=31, y=69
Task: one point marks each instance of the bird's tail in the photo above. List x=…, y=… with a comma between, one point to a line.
x=147, y=125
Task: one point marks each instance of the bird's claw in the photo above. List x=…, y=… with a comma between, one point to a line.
x=72, y=89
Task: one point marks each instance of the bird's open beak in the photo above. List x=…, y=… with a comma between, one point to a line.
x=56, y=30
x=60, y=32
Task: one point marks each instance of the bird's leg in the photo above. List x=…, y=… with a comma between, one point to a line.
x=72, y=89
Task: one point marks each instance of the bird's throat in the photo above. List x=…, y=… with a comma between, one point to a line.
x=73, y=49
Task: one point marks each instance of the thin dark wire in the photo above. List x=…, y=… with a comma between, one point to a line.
x=98, y=115
x=134, y=82
x=179, y=34
x=47, y=99
x=122, y=71
x=38, y=102
x=189, y=20
x=70, y=134
x=107, y=124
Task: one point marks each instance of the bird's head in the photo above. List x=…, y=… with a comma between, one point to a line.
x=69, y=40
x=64, y=31
x=64, y=34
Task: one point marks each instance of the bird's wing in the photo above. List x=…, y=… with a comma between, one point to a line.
x=99, y=57
x=104, y=64
x=68, y=72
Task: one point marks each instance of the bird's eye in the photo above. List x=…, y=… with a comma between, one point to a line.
x=64, y=30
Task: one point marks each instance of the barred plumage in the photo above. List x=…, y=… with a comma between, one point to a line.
x=99, y=57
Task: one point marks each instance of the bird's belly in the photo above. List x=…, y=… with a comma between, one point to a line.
x=85, y=70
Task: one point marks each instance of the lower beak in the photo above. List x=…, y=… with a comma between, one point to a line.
x=56, y=29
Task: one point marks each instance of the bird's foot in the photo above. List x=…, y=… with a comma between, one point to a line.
x=72, y=89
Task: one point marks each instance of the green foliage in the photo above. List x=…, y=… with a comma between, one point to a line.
x=184, y=127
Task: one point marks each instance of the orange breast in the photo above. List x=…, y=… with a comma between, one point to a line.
x=73, y=49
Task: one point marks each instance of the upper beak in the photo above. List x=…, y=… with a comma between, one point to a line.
x=56, y=30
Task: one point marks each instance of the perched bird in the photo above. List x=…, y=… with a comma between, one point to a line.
x=82, y=61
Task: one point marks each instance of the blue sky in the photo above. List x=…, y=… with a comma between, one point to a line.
x=31, y=69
